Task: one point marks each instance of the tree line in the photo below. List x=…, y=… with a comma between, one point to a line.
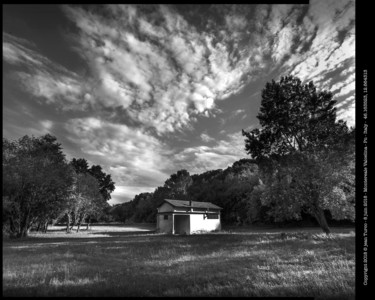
x=301, y=166
x=40, y=186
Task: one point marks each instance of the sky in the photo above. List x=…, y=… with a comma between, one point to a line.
x=147, y=90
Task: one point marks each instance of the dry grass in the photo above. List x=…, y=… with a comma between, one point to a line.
x=121, y=261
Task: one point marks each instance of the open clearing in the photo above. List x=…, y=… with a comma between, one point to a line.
x=124, y=260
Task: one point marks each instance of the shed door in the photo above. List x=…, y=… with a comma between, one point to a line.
x=182, y=224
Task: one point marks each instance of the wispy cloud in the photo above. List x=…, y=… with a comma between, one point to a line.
x=206, y=138
x=329, y=61
x=17, y=50
x=126, y=193
x=135, y=158
x=203, y=158
x=238, y=112
x=43, y=78
x=47, y=125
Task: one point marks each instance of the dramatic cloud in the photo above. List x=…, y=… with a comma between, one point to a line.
x=162, y=74
x=165, y=72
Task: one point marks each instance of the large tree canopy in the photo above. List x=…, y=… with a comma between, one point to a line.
x=307, y=153
x=106, y=185
x=178, y=184
x=36, y=181
x=39, y=186
x=295, y=117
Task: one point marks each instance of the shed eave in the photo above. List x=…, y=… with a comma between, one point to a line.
x=190, y=206
x=187, y=212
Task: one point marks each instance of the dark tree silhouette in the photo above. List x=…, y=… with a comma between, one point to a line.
x=308, y=155
x=36, y=181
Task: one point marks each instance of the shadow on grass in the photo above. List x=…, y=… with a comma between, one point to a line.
x=126, y=233
x=143, y=236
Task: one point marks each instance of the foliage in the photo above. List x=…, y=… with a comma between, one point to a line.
x=294, y=118
x=122, y=212
x=143, y=207
x=87, y=199
x=230, y=189
x=80, y=165
x=106, y=185
x=178, y=184
x=39, y=186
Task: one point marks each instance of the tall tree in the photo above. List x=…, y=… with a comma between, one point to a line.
x=303, y=146
x=91, y=193
x=80, y=165
x=88, y=199
x=36, y=181
x=178, y=184
x=106, y=185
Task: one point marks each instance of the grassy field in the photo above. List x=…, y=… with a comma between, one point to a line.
x=134, y=261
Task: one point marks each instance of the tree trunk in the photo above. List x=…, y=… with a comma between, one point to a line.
x=12, y=227
x=78, y=224
x=31, y=223
x=322, y=221
x=45, y=227
x=81, y=217
x=73, y=221
x=22, y=233
x=88, y=224
x=68, y=223
x=24, y=226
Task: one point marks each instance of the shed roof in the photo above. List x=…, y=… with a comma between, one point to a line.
x=184, y=203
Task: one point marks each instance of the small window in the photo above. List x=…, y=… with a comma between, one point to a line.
x=212, y=216
x=165, y=217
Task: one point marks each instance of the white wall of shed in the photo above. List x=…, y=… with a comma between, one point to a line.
x=200, y=223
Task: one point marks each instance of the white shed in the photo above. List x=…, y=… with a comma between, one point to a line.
x=186, y=217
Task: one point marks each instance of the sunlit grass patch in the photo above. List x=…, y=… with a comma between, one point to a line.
x=57, y=282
